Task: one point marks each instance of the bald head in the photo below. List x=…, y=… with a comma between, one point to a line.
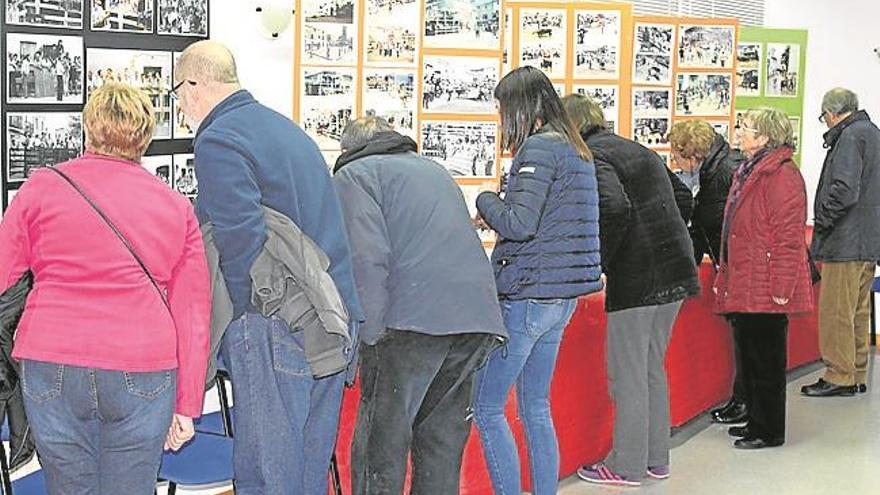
x=208, y=62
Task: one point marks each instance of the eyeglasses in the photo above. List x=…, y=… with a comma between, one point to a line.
x=822, y=117
x=742, y=127
x=174, y=94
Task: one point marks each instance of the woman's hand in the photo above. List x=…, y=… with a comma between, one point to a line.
x=782, y=301
x=180, y=432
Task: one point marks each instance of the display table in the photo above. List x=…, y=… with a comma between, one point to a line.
x=699, y=364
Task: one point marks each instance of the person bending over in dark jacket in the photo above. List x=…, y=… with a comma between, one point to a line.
x=649, y=263
x=707, y=165
x=431, y=311
x=547, y=257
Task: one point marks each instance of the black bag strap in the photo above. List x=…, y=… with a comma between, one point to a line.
x=115, y=231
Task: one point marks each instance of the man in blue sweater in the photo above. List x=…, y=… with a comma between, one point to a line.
x=246, y=156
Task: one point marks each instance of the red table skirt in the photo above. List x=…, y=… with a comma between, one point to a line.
x=699, y=363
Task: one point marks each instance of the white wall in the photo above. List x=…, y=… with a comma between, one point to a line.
x=840, y=52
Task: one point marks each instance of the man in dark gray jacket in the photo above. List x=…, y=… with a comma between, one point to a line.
x=432, y=313
x=846, y=238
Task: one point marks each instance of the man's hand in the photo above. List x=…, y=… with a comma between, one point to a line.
x=479, y=222
x=180, y=432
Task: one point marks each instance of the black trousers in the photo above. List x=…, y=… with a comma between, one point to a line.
x=739, y=388
x=761, y=338
x=415, y=399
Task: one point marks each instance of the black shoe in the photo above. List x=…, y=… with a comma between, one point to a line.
x=863, y=388
x=754, y=443
x=731, y=413
x=738, y=431
x=826, y=389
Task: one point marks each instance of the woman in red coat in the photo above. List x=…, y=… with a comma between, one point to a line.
x=764, y=275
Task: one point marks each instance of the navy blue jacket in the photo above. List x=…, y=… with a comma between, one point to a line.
x=548, y=222
x=247, y=155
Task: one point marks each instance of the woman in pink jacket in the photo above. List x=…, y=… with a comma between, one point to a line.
x=111, y=368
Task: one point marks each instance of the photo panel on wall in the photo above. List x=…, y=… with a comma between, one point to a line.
x=44, y=69
x=705, y=47
x=606, y=96
x=652, y=102
x=181, y=128
x=185, y=175
x=701, y=94
x=653, y=54
x=453, y=84
x=468, y=24
x=132, y=16
x=392, y=32
x=149, y=71
x=329, y=32
x=542, y=40
x=162, y=166
x=748, y=69
x=597, y=44
x=783, y=70
x=56, y=14
x=40, y=139
x=390, y=94
x=651, y=131
x=465, y=149
x=182, y=17
x=327, y=104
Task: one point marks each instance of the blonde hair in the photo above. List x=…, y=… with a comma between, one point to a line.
x=584, y=112
x=119, y=121
x=692, y=138
x=773, y=124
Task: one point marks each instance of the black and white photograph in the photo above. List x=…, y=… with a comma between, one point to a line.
x=162, y=166
x=465, y=149
x=459, y=84
x=329, y=32
x=653, y=54
x=542, y=40
x=390, y=94
x=748, y=69
x=182, y=17
x=132, y=16
x=721, y=127
x=463, y=24
x=66, y=14
x=149, y=71
x=652, y=102
x=705, y=47
x=508, y=41
x=392, y=32
x=185, y=175
x=331, y=11
x=783, y=70
x=44, y=69
x=470, y=193
x=597, y=44
x=181, y=128
x=606, y=96
x=702, y=94
x=650, y=132
x=327, y=104
x=42, y=139
x=796, y=128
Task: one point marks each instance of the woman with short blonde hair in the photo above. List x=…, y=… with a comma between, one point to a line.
x=113, y=354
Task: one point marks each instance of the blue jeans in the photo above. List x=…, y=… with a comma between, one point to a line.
x=98, y=432
x=285, y=421
x=529, y=358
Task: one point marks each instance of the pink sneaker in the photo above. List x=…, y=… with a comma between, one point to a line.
x=601, y=474
x=658, y=472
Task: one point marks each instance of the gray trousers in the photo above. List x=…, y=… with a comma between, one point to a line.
x=637, y=341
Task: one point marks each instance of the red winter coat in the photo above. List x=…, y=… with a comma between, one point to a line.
x=766, y=254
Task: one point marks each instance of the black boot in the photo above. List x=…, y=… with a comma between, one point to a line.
x=732, y=412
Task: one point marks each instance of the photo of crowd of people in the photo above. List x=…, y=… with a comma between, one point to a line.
x=654, y=102
x=542, y=40
x=599, y=62
x=462, y=23
x=783, y=63
x=459, y=84
x=185, y=175
x=42, y=139
x=44, y=68
x=391, y=45
x=653, y=54
x=748, y=69
x=709, y=47
x=597, y=44
x=149, y=71
x=327, y=104
x=45, y=13
x=702, y=94
x=122, y=15
x=605, y=96
x=183, y=17
x=325, y=43
x=391, y=95
x=465, y=149
x=650, y=132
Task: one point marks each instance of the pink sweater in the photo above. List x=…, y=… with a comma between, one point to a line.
x=92, y=305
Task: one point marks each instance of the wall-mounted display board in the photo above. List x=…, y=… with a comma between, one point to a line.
x=56, y=52
x=771, y=70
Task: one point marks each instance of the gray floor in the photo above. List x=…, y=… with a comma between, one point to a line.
x=832, y=448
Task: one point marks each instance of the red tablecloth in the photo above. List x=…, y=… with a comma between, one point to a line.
x=699, y=363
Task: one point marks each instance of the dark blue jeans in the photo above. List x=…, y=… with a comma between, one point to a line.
x=98, y=432
x=285, y=421
x=528, y=359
